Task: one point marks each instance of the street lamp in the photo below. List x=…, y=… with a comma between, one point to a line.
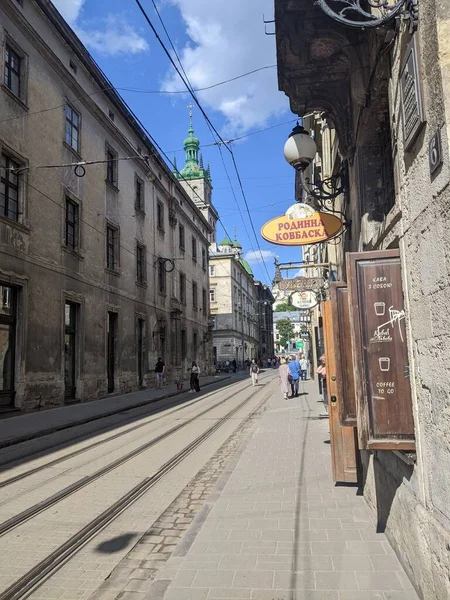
x=299, y=151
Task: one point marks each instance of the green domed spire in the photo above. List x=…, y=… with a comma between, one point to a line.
x=193, y=168
x=226, y=242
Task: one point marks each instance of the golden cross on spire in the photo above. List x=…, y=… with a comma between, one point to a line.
x=190, y=107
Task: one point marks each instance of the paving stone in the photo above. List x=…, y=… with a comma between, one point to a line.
x=253, y=579
x=294, y=580
x=388, y=580
x=352, y=563
x=210, y=578
x=336, y=581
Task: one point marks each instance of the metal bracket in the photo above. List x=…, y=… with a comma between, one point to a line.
x=385, y=12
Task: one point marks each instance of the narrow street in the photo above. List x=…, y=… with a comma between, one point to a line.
x=225, y=494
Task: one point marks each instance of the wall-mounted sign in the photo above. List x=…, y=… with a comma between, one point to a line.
x=380, y=353
x=411, y=94
x=301, y=225
x=435, y=151
x=304, y=300
x=300, y=284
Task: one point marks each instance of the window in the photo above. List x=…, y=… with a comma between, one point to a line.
x=141, y=275
x=204, y=258
x=72, y=128
x=194, y=248
x=204, y=303
x=195, y=343
x=72, y=224
x=182, y=237
x=9, y=189
x=212, y=295
x=161, y=277
x=160, y=215
x=111, y=167
x=183, y=344
x=112, y=248
x=194, y=296
x=212, y=270
x=13, y=71
x=182, y=288
x=139, y=188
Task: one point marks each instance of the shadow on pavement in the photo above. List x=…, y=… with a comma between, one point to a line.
x=116, y=544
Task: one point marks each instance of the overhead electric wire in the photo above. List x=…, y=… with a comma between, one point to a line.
x=137, y=91
x=207, y=119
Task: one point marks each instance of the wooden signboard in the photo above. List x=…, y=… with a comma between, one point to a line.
x=345, y=380
x=343, y=439
x=380, y=354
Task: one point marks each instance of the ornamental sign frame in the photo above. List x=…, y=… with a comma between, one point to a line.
x=304, y=300
x=301, y=225
x=301, y=284
x=411, y=94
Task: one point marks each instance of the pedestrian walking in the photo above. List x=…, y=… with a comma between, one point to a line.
x=160, y=369
x=303, y=367
x=294, y=372
x=233, y=362
x=283, y=380
x=195, y=372
x=254, y=371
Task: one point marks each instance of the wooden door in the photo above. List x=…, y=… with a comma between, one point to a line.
x=345, y=378
x=380, y=352
x=343, y=439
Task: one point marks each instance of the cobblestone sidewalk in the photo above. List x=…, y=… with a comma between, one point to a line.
x=272, y=526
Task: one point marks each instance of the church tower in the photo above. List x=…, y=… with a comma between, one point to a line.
x=196, y=180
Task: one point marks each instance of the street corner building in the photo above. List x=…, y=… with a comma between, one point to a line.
x=103, y=266
x=372, y=86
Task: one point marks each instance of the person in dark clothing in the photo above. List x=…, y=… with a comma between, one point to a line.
x=234, y=364
x=160, y=369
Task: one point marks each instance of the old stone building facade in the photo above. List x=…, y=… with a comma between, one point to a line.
x=241, y=307
x=90, y=292
x=384, y=93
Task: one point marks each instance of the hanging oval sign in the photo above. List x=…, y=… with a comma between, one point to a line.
x=304, y=300
x=300, y=226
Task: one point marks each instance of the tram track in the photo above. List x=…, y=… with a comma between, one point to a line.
x=34, y=510
x=44, y=569
x=75, y=453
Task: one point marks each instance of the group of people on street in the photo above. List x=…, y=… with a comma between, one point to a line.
x=290, y=373
x=160, y=371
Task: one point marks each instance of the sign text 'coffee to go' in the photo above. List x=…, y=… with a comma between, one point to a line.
x=301, y=225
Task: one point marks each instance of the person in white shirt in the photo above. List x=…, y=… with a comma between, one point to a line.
x=195, y=372
x=303, y=367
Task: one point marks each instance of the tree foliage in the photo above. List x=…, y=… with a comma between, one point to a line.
x=286, y=331
x=285, y=307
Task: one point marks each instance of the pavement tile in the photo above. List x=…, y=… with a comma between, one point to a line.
x=212, y=578
x=388, y=580
x=174, y=593
x=185, y=577
x=362, y=595
x=245, y=535
x=302, y=580
x=253, y=579
x=366, y=548
x=326, y=580
x=229, y=594
x=238, y=561
x=386, y=562
x=339, y=535
x=352, y=563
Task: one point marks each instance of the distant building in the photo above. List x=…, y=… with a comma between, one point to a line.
x=241, y=308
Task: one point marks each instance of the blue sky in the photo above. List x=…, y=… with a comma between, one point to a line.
x=216, y=41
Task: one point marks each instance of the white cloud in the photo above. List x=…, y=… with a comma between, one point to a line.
x=70, y=9
x=114, y=37
x=227, y=39
x=254, y=256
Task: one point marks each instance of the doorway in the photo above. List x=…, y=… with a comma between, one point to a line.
x=141, y=350
x=111, y=350
x=70, y=350
x=8, y=312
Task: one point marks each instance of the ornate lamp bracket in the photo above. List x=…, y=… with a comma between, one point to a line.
x=358, y=13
